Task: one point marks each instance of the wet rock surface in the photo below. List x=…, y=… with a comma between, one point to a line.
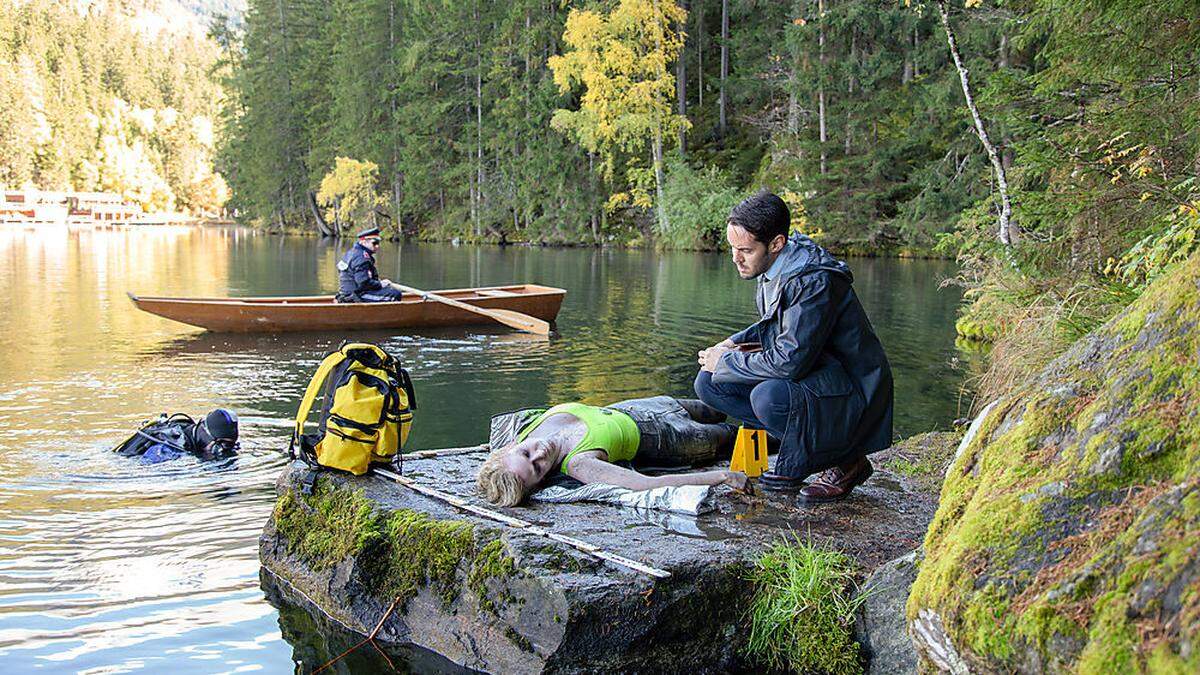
x=1068, y=532
x=502, y=599
x=882, y=630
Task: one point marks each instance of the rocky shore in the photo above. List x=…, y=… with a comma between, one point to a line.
x=502, y=599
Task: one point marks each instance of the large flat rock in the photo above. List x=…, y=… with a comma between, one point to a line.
x=503, y=599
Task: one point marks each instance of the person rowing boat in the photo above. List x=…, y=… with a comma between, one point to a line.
x=358, y=279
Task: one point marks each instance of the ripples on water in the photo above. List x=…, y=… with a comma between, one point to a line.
x=110, y=566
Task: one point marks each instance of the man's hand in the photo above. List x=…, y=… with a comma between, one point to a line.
x=708, y=358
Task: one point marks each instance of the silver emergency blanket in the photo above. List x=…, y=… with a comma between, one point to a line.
x=687, y=499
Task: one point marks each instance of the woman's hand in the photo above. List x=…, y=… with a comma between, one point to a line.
x=737, y=480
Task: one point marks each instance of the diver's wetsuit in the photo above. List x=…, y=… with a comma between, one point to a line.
x=171, y=437
x=673, y=432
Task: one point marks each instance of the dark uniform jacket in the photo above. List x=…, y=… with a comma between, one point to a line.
x=816, y=335
x=356, y=273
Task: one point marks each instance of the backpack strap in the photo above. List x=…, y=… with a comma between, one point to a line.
x=310, y=394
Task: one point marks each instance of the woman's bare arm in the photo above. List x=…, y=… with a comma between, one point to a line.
x=591, y=469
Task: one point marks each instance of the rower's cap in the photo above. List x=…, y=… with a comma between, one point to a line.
x=369, y=232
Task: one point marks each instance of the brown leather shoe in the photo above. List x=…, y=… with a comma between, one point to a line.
x=775, y=482
x=834, y=484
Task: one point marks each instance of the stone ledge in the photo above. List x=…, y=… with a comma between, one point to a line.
x=511, y=601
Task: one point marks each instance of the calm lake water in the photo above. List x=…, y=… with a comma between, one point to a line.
x=110, y=566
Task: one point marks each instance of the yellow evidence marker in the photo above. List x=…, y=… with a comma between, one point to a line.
x=750, y=452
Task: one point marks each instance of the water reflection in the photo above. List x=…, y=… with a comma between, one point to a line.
x=320, y=642
x=107, y=564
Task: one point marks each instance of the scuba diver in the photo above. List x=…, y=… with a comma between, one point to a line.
x=358, y=280
x=214, y=437
x=583, y=441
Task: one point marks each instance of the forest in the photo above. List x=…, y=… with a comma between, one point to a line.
x=93, y=102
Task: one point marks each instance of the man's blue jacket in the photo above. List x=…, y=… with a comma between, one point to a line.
x=356, y=272
x=816, y=335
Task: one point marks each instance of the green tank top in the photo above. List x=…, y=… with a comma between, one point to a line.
x=609, y=430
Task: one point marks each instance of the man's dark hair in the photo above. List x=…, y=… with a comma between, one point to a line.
x=763, y=215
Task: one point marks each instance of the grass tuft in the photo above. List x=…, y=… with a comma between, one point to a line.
x=802, y=616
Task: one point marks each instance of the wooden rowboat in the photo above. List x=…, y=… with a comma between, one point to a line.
x=321, y=313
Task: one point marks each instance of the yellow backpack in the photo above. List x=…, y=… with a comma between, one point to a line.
x=366, y=410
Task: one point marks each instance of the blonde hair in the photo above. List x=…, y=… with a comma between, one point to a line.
x=496, y=482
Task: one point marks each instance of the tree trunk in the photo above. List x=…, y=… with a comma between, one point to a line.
x=793, y=110
x=1007, y=232
x=823, y=134
x=700, y=53
x=478, y=131
x=851, y=86
x=916, y=50
x=910, y=57
x=323, y=227
x=657, y=156
x=657, y=148
x=681, y=88
x=290, y=100
x=723, y=99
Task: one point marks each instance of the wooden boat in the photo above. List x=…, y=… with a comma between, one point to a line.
x=321, y=313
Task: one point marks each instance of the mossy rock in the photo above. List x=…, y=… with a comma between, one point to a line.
x=510, y=599
x=980, y=320
x=1067, y=537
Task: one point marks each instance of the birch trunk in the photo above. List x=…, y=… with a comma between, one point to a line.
x=822, y=131
x=1007, y=233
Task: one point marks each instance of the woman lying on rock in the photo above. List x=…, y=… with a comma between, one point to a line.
x=583, y=441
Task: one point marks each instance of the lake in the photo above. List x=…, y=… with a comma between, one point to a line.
x=110, y=566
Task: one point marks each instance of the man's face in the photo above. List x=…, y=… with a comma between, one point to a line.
x=370, y=243
x=751, y=256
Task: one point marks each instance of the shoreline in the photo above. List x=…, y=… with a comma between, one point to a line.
x=842, y=249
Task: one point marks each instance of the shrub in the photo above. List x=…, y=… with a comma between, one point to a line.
x=697, y=204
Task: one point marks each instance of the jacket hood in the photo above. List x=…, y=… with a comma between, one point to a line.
x=805, y=256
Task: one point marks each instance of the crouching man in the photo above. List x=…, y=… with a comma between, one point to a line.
x=811, y=371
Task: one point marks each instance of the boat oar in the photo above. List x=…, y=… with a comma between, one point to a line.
x=507, y=317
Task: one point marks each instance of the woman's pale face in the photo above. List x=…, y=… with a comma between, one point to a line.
x=530, y=460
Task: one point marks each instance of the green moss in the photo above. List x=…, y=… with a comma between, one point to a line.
x=491, y=563
x=1040, y=539
x=981, y=320
x=802, y=615
x=975, y=330
x=400, y=551
x=327, y=526
x=419, y=550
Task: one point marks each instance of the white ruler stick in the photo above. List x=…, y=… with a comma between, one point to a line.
x=527, y=526
x=425, y=454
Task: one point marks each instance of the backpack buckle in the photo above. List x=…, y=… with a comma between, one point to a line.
x=308, y=482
